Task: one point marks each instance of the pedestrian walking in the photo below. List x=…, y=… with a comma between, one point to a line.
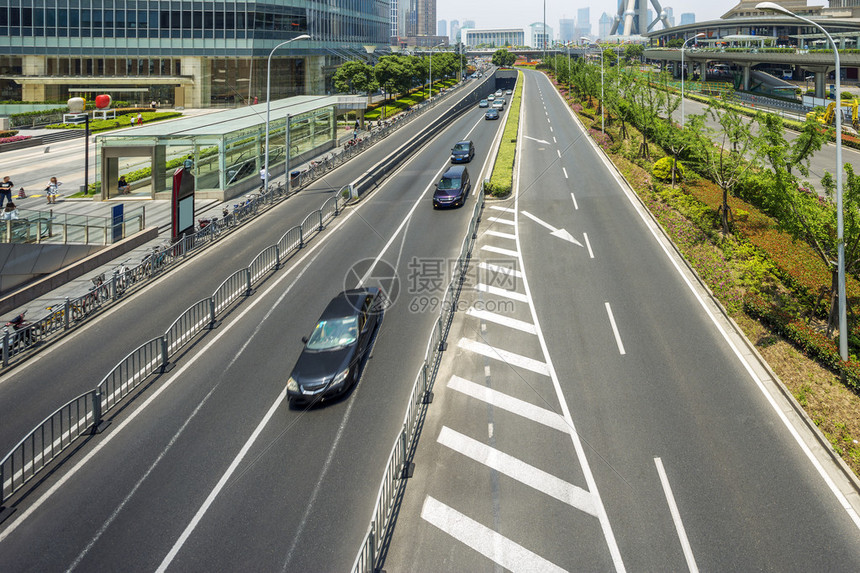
x=133, y=119
x=6, y=190
x=140, y=119
x=263, y=179
x=357, y=125
x=51, y=190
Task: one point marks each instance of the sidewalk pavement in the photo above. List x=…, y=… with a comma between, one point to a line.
x=157, y=214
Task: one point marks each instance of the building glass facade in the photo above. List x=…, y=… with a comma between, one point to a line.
x=179, y=52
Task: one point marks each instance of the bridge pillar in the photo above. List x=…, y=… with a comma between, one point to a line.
x=820, y=83
x=746, y=71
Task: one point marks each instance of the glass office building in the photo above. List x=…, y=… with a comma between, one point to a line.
x=180, y=53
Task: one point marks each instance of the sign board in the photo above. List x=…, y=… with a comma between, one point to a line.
x=183, y=201
x=117, y=219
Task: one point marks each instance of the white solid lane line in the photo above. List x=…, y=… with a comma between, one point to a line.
x=494, y=546
x=519, y=470
x=221, y=483
x=614, y=328
x=502, y=320
x=510, y=404
x=505, y=356
x=676, y=517
x=511, y=294
x=499, y=250
x=499, y=269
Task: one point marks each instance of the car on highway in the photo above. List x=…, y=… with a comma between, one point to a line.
x=483, y=103
x=463, y=152
x=498, y=93
x=492, y=114
x=453, y=188
x=508, y=92
x=333, y=355
x=498, y=103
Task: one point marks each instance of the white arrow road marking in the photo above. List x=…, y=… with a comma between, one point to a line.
x=494, y=546
x=560, y=233
x=536, y=139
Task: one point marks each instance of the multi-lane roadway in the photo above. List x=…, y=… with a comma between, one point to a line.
x=208, y=468
x=594, y=412
x=591, y=413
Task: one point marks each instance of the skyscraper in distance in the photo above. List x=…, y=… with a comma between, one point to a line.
x=566, y=30
x=455, y=30
x=604, y=26
x=583, y=23
x=688, y=18
x=442, y=28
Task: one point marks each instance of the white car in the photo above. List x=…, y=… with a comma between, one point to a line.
x=499, y=104
x=491, y=97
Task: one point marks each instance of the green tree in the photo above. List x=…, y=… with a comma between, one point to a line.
x=634, y=52
x=800, y=212
x=355, y=76
x=503, y=57
x=726, y=154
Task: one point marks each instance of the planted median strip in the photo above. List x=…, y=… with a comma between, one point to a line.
x=501, y=181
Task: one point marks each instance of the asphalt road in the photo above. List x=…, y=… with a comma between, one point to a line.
x=207, y=468
x=591, y=414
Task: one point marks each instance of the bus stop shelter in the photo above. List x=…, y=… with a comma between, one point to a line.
x=227, y=148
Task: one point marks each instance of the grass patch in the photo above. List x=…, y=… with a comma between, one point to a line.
x=97, y=125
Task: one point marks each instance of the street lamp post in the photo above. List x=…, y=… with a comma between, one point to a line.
x=840, y=228
x=602, y=108
x=430, y=100
x=268, y=113
x=700, y=35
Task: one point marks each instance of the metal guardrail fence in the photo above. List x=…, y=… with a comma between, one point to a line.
x=85, y=413
x=17, y=341
x=398, y=466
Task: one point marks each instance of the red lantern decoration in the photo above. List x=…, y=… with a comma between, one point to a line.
x=102, y=101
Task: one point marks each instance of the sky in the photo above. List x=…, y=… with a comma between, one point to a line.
x=519, y=14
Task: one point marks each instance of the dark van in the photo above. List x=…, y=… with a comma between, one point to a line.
x=453, y=188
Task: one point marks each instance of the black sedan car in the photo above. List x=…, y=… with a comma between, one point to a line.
x=462, y=152
x=492, y=114
x=331, y=360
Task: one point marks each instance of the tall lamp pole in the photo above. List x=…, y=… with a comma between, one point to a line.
x=431, y=70
x=268, y=113
x=602, y=107
x=840, y=227
x=700, y=35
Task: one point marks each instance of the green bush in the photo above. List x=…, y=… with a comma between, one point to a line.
x=9, y=133
x=662, y=169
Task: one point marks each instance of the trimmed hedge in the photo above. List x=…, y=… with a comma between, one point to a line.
x=501, y=181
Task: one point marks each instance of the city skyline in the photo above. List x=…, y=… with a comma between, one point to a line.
x=506, y=14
